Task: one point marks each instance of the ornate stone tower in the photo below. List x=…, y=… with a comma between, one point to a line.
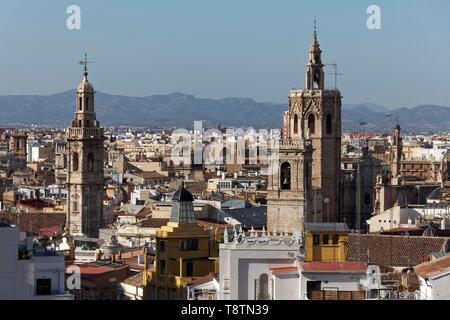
x=320, y=113
x=85, y=164
x=289, y=185
x=314, y=117
x=396, y=155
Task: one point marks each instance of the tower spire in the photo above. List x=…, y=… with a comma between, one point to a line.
x=315, y=30
x=314, y=70
x=84, y=62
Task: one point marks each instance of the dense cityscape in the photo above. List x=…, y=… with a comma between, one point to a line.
x=302, y=211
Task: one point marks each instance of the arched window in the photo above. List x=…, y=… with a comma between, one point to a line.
x=87, y=104
x=285, y=176
x=224, y=155
x=75, y=162
x=329, y=124
x=263, y=293
x=90, y=162
x=80, y=104
x=295, y=124
x=311, y=123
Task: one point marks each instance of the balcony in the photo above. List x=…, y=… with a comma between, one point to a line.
x=77, y=133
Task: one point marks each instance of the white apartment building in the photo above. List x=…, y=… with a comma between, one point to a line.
x=27, y=273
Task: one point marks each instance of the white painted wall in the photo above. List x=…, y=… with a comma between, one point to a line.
x=241, y=264
x=341, y=281
x=436, y=288
x=286, y=286
x=9, y=239
x=18, y=277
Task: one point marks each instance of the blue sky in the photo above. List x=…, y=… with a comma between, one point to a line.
x=238, y=48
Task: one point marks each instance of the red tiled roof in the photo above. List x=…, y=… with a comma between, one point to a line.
x=386, y=250
x=149, y=175
x=93, y=269
x=35, y=204
x=50, y=232
x=436, y=266
x=137, y=280
x=344, y=266
x=202, y=280
x=284, y=269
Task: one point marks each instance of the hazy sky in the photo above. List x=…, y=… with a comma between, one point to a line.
x=228, y=48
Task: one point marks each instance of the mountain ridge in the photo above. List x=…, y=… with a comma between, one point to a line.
x=179, y=109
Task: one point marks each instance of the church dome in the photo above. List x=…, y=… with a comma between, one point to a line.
x=85, y=86
x=435, y=194
x=182, y=195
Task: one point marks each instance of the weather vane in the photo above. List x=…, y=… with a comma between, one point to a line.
x=84, y=62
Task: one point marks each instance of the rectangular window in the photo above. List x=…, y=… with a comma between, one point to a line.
x=316, y=239
x=335, y=239
x=162, y=246
x=325, y=239
x=189, y=269
x=43, y=287
x=189, y=245
x=162, y=267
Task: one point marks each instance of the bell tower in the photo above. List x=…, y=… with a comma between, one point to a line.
x=310, y=153
x=396, y=154
x=315, y=78
x=85, y=164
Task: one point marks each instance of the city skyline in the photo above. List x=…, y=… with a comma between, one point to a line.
x=163, y=50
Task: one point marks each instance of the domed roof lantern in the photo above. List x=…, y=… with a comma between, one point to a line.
x=182, y=208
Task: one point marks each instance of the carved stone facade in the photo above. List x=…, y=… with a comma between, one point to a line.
x=314, y=136
x=288, y=198
x=85, y=166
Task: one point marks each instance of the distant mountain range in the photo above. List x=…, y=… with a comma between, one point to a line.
x=180, y=110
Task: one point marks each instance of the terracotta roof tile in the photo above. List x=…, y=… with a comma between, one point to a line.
x=339, y=267
x=284, y=269
x=427, y=269
x=395, y=251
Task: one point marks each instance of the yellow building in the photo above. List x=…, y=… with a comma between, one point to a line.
x=326, y=241
x=183, y=251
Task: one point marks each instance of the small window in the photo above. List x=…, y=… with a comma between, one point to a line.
x=43, y=287
x=311, y=124
x=87, y=104
x=329, y=124
x=285, y=176
x=80, y=104
x=325, y=239
x=189, y=245
x=90, y=162
x=335, y=239
x=295, y=124
x=75, y=162
x=162, y=246
x=162, y=267
x=189, y=269
x=316, y=239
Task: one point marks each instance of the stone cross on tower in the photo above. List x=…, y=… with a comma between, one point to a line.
x=84, y=62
